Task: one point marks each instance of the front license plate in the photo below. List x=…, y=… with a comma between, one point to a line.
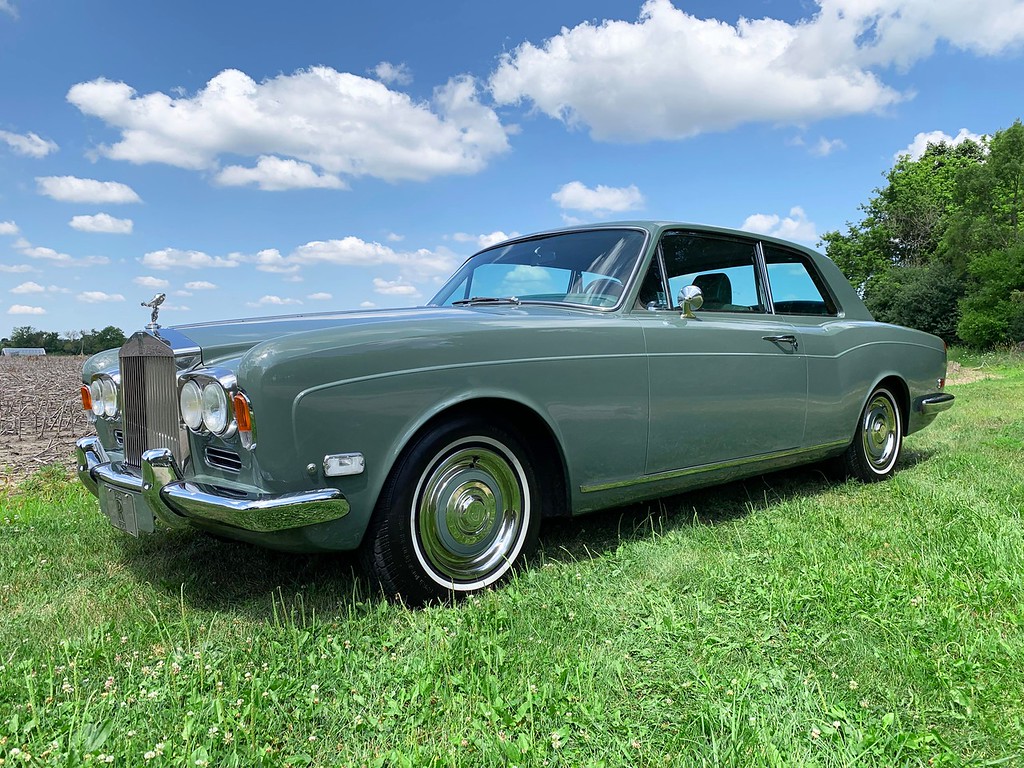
x=126, y=510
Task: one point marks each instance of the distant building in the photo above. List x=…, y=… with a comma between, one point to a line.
x=22, y=351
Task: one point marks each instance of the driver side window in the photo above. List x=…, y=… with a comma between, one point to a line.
x=724, y=269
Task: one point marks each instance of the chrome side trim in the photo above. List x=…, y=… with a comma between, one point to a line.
x=675, y=473
x=929, y=405
x=161, y=484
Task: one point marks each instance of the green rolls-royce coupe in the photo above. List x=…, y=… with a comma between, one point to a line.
x=553, y=374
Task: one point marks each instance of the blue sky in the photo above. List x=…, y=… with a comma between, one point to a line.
x=257, y=158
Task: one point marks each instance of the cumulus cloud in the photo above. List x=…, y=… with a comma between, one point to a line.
x=147, y=281
x=273, y=301
x=320, y=296
x=577, y=196
x=339, y=123
x=28, y=287
x=200, y=285
x=29, y=144
x=101, y=222
x=796, y=226
x=21, y=309
x=275, y=175
x=56, y=258
x=8, y=228
x=917, y=147
x=672, y=75
x=171, y=258
x=825, y=147
x=399, y=287
x=97, y=297
x=15, y=268
x=71, y=189
x=483, y=241
x=386, y=72
x=355, y=252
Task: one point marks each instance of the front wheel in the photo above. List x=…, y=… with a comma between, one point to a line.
x=458, y=512
x=876, y=445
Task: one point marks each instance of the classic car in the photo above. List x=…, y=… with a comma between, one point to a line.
x=553, y=374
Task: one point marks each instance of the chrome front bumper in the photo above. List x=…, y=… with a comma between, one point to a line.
x=162, y=490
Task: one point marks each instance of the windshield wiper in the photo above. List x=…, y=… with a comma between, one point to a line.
x=488, y=300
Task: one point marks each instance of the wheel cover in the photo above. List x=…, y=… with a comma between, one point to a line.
x=471, y=512
x=880, y=433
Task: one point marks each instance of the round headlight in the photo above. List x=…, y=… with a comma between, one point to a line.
x=96, y=391
x=191, y=403
x=215, y=408
x=109, y=397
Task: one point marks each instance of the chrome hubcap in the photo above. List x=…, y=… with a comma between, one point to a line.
x=471, y=509
x=880, y=431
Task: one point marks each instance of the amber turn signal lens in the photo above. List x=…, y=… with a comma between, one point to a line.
x=242, y=416
x=86, y=398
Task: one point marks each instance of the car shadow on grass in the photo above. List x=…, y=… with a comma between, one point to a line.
x=602, y=532
x=209, y=573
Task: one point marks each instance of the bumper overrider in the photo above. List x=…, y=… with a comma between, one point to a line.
x=133, y=500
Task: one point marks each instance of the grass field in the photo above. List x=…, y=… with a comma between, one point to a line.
x=783, y=621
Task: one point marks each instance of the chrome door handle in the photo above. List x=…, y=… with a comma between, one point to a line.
x=786, y=338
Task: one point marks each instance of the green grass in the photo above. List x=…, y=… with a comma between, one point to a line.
x=783, y=621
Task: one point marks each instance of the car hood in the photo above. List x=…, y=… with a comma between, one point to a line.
x=225, y=340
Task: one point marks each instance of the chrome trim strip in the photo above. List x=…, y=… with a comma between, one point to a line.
x=674, y=473
x=932, y=404
x=161, y=483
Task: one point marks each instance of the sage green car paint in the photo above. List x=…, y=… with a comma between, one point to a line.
x=639, y=403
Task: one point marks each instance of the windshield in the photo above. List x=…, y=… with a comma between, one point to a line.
x=589, y=268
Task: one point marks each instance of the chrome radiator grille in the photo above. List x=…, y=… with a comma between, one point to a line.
x=149, y=394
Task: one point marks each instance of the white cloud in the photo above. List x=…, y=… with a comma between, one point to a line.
x=147, y=281
x=271, y=260
x=57, y=259
x=15, y=268
x=672, y=75
x=917, y=147
x=170, y=258
x=342, y=124
x=6, y=7
x=392, y=237
x=483, y=241
x=320, y=296
x=96, y=297
x=386, y=72
x=8, y=228
x=21, y=309
x=354, y=252
x=274, y=174
x=796, y=226
x=577, y=196
x=200, y=285
x=71, y=189
x=399, y=287
x=367, y=304
x=826, y=147
x=274, y=301
x=101, y=222
x=28, y=144
x=28, y=287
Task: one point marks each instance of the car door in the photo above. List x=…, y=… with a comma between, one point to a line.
x=727, y=382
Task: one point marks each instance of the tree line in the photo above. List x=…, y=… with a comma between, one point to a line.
x=67, y=343
x=940, y=245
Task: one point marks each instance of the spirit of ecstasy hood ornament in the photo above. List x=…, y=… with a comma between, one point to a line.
x=154, y=303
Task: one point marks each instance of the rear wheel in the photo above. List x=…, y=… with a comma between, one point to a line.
x=876, y=446
x=459, y=511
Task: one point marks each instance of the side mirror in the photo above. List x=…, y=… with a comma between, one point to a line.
x=690, y=298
